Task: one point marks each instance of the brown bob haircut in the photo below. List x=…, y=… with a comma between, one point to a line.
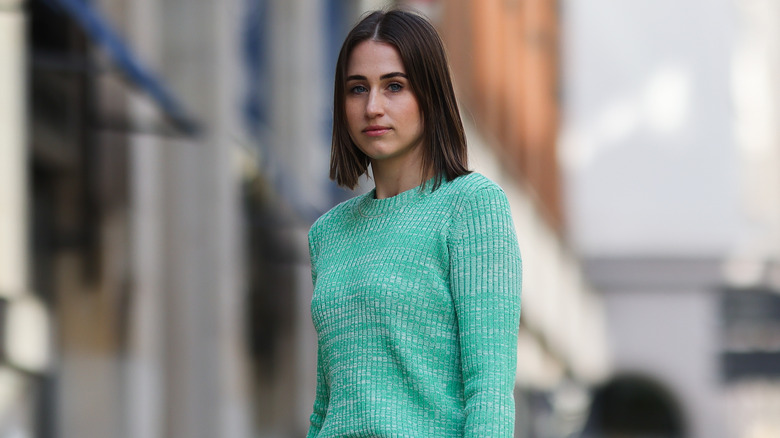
x=423, y=57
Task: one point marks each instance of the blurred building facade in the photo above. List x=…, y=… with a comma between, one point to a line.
x=671, y=167
x=162, y=162
x=159, y=212
x=750, y=306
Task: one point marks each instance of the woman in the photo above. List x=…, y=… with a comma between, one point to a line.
x=417, y=283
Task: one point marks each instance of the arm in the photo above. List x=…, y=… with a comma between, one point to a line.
x=322, y=395
x=485, y=280
x=320, y=401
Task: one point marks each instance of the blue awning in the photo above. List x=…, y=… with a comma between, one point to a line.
x=103, y=34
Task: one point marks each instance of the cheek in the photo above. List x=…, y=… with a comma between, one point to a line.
x=352, y=114
x=413, y=115
x=411, y=110
x=354, y=120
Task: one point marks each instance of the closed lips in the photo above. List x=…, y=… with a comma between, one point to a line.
x=375, y=130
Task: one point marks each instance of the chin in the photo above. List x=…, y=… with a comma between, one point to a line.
x=378, y=154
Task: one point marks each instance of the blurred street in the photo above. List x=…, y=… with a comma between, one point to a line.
x=161, y=162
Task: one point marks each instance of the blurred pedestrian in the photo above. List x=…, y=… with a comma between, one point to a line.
x=416, y=283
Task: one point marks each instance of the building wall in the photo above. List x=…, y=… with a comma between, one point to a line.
x=504, y=58
x=663, y=319
x=233, y=217
x=654, y=152
x=18, y=395
x=176, y=265
x=752, y=401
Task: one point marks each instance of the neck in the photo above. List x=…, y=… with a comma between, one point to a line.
x=392, y=178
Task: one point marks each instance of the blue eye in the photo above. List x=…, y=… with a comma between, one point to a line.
x=357, y=89
x=395, y=87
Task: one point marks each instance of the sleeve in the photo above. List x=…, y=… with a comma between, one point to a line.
x=485, y=281
x=313, y=255
x=322, y=394
x=320, y=401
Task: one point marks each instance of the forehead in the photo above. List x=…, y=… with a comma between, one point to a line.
x=371, y=58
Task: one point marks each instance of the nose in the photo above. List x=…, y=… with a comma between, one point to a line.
x=374, y=104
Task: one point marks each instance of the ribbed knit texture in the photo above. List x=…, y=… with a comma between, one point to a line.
x=416, y=306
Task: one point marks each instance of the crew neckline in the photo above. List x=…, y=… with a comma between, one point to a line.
x=370, y=206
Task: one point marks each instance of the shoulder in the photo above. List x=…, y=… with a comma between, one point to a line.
x=481, y=204
x=474, y=188
x=336, y=216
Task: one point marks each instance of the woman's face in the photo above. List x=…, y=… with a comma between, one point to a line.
x=382, y=112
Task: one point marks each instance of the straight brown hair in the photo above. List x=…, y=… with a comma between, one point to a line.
x=425, y=61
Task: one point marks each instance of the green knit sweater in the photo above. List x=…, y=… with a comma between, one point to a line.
x=416, y=306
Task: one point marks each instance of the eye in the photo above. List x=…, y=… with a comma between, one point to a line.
x=358, y=89
x=395, y=87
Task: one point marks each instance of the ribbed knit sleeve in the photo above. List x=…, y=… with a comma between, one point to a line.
x=485, y=282
x=320, y=401
x=322, y=394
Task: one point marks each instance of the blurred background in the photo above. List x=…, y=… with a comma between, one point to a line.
x=161, y=162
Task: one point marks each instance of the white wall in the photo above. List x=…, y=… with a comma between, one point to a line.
x=648, y=146
x=756, y=98
x=17, y=395
x=13, y=151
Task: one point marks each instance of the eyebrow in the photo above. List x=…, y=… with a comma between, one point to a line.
x=394, y=74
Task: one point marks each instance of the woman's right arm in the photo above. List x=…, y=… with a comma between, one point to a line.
x=322, y=395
